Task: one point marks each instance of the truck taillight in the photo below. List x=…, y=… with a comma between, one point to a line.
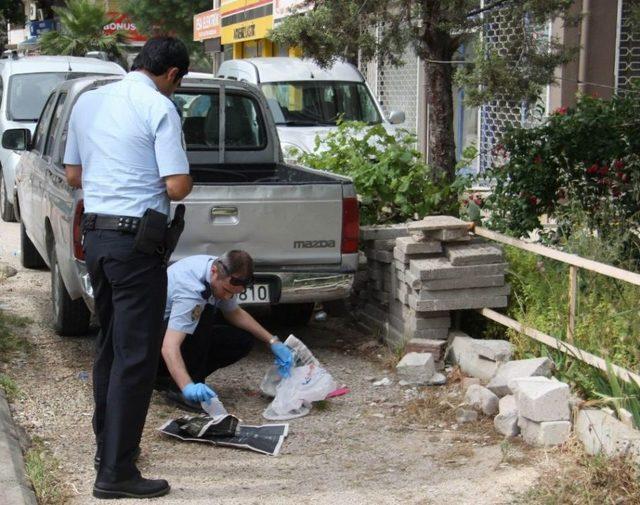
x=78, y=251
x=350, y=225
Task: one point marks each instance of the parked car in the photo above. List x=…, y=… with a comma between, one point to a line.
x=300, y=225
x=307, y=100
x=25, y=84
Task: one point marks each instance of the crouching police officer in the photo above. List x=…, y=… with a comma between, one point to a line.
x=124, y=148
x=198, y=339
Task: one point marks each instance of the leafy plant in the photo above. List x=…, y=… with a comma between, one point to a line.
x=392, y=182
x=580, y=168
x=82, y=24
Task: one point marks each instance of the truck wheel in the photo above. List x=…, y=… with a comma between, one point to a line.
x=29, y=255
x=6, y=208
x=295, y=314
x=70, y=317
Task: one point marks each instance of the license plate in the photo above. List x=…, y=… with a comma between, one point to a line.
x=258, y=293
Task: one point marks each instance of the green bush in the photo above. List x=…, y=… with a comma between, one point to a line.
x=580, y=168
x=393, y=183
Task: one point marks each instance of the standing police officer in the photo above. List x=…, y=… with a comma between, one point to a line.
x=198, y=339
x=124, y=148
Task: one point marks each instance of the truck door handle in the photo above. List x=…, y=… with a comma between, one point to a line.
x=224, y=212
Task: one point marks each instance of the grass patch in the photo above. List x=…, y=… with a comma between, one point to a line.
x=9, y=387
x=9, y=342
x=586, y=480
x=42, y=469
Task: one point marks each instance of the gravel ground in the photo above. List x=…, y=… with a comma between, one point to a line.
x=376, y=445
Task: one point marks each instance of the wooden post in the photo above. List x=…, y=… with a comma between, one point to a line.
x=573, y=302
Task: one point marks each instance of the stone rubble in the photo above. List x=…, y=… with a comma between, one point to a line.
x=481, y=399
x=478, y=358
x=517, y=369
x=506, y=422
x=416, y=368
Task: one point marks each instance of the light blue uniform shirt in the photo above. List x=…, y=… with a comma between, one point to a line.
x=127, y=136
x=188, y=292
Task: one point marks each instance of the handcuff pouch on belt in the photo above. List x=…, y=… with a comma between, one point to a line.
x=154, y=237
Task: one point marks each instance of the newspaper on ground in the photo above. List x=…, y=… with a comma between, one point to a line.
x=265, y=439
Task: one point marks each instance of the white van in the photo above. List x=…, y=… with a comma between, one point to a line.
x=306, y=100
x=25, y=85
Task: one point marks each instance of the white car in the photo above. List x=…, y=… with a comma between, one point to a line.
x=25, y=85
x=307, y=100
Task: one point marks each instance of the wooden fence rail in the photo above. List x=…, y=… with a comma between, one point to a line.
x=574, y=263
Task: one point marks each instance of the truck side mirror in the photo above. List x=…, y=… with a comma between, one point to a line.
x=396, y=117
x=16, y=139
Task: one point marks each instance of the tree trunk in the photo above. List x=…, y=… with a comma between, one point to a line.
x=439, y=99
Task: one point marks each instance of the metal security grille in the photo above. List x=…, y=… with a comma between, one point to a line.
x=629, y=50
x=396, y=88
x=498, y=115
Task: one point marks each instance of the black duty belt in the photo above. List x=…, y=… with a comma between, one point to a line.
x=125, y=224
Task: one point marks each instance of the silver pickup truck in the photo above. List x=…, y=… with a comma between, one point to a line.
x=300, y=225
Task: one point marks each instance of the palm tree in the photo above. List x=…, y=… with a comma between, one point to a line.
x=81, y=31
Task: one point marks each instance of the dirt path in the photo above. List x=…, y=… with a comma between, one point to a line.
x=372, y=446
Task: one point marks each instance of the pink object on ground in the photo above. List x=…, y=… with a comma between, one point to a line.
x=338, y=392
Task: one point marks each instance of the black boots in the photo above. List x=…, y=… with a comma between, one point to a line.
x=137, y=487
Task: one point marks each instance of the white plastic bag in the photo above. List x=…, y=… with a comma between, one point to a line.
x=294, y=394
x=309, y=382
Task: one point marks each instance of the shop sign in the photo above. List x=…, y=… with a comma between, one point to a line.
x=206, y=25
x=283, y=8
x=121, y=22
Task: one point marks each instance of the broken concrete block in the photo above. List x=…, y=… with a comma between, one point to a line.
x=466, y=415
x=460, y=303
x=437, y=379
x=412, y=280
x=545, y=433
x=410, y=246
x=495, y=350
x=600, y=432
x=484, y=281
x=480, y=398
x=404, y=258
x=473, y=254
x=435, y=347
x=384, y=244
x=626, y=417
x=506, y=422
x=465, y=354
x=541, y=399
x=468, y=381
x=441, y=268
x=416, y=368
x=382, y=232
x=431, y=223
x=7, y=271
x=517, y=369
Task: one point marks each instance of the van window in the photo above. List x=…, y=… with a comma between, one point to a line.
x=244, y=126
x=28, y=92
x=40, y=134
x=313, y=103
x=55, y=120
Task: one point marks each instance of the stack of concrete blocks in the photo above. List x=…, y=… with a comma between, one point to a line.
x=421, y=271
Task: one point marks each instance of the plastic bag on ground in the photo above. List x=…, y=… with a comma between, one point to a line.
x=309, y=382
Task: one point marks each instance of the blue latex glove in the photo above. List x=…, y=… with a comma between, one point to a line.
x=284, y=358
x=198, y=392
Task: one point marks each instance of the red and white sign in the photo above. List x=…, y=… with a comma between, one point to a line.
x=206, y=25
x=122, y=23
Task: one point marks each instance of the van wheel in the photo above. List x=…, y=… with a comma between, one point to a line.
x=29, y=255
x=295, y=314
x=70, y=317
x=6, y=208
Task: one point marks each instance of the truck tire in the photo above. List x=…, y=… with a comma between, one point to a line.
x=6, y=208
x=29, y=255
x=294, y=314
x=71, y=318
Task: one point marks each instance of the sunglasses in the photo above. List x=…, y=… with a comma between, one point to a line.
x=235, y=281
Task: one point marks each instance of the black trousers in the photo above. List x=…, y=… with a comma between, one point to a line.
x=129, y=289
x=214, y=344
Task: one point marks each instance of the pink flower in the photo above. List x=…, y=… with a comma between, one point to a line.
x=593, y=169
x=561, y=111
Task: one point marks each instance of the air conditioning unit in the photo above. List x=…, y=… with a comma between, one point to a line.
x=33, y=12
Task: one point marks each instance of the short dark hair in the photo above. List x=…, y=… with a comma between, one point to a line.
x=161, y=53
x=238, y=263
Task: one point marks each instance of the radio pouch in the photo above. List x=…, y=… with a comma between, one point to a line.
x=152, y=232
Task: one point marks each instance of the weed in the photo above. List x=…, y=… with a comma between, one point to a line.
x=9, y=387
x=42, y=469
x=585, y=480
x=9, y=342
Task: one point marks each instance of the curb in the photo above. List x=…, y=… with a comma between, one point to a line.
x=15, y=488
